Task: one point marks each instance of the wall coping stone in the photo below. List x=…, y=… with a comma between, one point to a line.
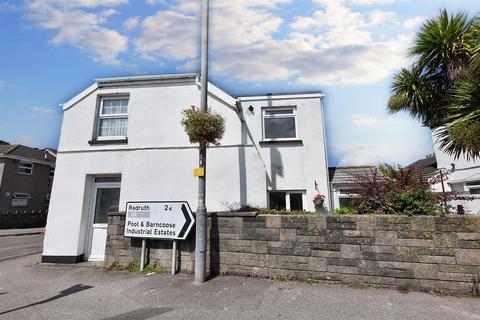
x=226, y=214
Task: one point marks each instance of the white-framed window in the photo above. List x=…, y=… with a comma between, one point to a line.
x=52, y=171
x=279, y=123
x=21, y=195
x=112, y=118
x=25, y=168
x=345, y=198
x=286, y=200
x=473, y=187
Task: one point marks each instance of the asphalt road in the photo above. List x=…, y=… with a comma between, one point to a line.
x=29, y=290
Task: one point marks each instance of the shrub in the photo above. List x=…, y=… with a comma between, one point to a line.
x=345, y=211
x=203, y=127
x=394, y=190
x=285, y=212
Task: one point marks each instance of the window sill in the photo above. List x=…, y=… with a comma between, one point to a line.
x=113, y=141
x=295, y=142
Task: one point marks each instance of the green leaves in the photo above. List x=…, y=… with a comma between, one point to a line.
x=203, y=126
x=442, y=88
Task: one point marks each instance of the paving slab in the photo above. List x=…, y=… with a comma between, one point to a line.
x=31, y=290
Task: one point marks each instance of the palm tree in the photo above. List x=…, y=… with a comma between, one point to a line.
x=442, y=87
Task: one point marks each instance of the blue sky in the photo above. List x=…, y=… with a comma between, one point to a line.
x=350, y=49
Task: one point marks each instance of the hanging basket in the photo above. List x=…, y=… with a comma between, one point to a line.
x=203, y=127
x=318, y=203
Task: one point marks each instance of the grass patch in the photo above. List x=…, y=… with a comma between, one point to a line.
x=134, y=267
x=312, y=281
x=282, y=277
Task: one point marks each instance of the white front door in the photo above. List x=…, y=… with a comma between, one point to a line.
x=106, y=197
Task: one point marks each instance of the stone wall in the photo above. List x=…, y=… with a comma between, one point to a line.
x=23, y=220
x=439, y=254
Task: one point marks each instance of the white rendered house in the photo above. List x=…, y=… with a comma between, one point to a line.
x=122, y=140
x=460, y=175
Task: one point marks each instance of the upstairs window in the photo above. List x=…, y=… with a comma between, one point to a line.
x=279, y=123
x=52, y=171
x=25, y=168
x=113, y=118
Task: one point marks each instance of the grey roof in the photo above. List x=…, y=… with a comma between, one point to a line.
x=27, y=152
x=427, y=166
x=345, y=175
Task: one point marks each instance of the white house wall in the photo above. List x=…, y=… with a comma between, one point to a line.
x=158, y=161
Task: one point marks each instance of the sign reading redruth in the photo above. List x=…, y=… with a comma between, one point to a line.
x=170, y=220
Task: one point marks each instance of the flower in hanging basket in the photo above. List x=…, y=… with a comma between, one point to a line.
x=203, y=126
x=318, y=200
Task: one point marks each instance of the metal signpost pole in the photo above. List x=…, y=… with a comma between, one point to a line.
x=142, y=255
x=201, y=220
x=174, y=257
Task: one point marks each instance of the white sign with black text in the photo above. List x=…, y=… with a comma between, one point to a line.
x=170, y=220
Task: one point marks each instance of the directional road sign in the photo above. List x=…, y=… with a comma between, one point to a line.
x=170, y=220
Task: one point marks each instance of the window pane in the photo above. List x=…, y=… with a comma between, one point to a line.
x=296, y=202
x=113, y=127
x=277, y=201
x=117, y=106
x=473, y=183
x=108, y=179
x=279, y=128
x=278, y=112
x=345, y=202
x=107, y=201
x=475, y=191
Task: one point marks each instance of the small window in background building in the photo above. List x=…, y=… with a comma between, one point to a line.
x=52, y=171
x=25, y=168
x=474, y=190
x=345, y=202
x=279, y=123
x=460, y=209
x=113, y=118
x=277, y=200
x=21, y=195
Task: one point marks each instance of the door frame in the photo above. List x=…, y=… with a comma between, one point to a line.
x=91, y=214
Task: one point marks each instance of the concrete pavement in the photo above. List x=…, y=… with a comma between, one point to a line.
x=29, y=290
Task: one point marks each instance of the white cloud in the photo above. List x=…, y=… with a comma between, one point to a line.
x=414, y=22
x=131, y=23
x=25, y=140
x=370, y=2
x=80, y=28
x=40, y=110
x=5, y=85
x=365, y=120
x=333, y=45
x=372, y=154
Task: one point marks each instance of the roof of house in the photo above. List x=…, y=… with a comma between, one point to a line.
x=213, y=90
x=28, y=153
x=427, y=166
x=345, y=175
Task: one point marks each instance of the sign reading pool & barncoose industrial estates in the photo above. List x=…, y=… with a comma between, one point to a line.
x=170, y=220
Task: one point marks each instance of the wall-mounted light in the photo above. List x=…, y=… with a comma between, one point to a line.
x=250, y=108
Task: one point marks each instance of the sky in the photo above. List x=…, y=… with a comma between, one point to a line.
x=349, y=49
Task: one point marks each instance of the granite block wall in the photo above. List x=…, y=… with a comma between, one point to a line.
x=440, y=254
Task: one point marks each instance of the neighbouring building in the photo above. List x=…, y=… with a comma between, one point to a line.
x=460, y=175
x=341, y=183
x=122, y=140
x=26, y=176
